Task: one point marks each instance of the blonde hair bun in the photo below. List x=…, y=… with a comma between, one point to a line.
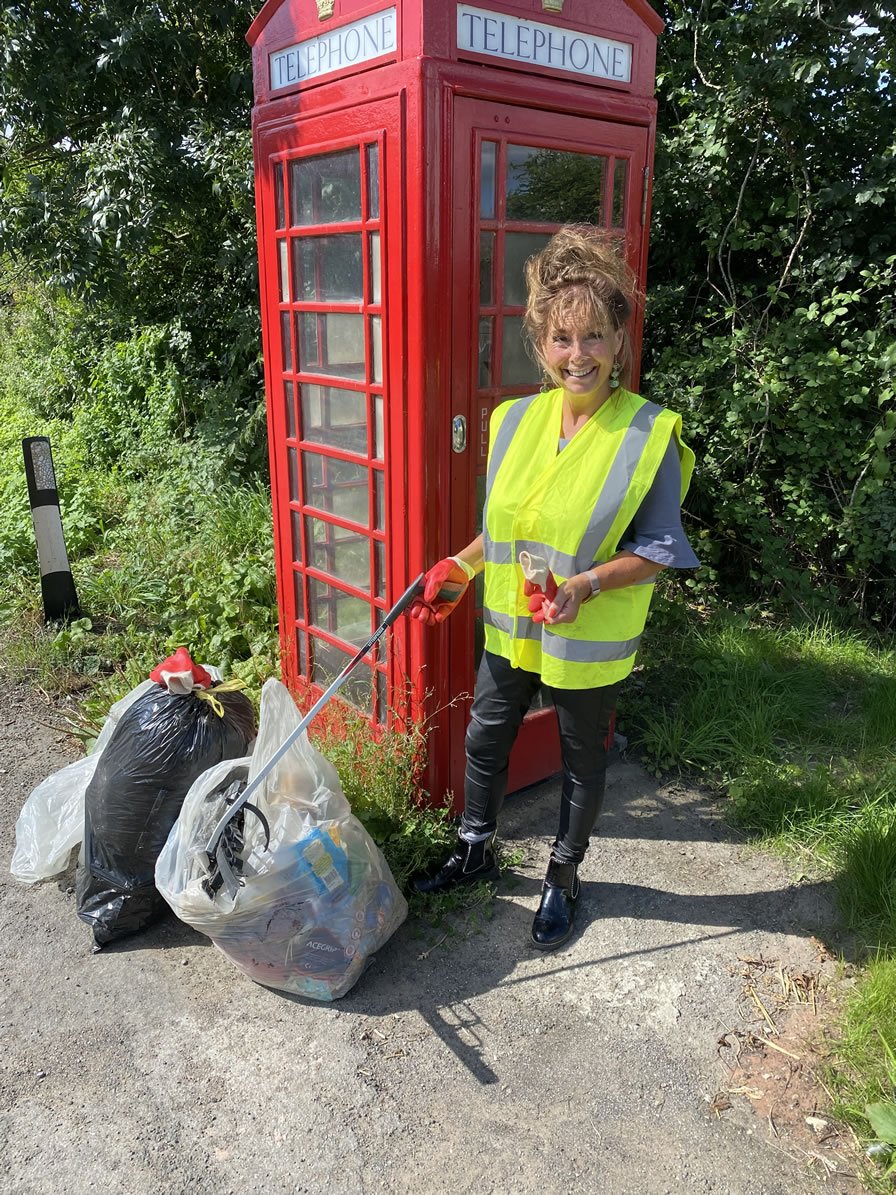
x=580, y=277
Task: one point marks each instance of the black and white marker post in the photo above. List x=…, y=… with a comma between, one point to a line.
x=56, y=582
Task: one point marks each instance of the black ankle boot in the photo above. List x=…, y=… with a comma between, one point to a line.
x=553, y=924
x=468, y=863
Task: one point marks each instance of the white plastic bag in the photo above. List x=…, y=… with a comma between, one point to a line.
x=318, y=900
x=51, y=822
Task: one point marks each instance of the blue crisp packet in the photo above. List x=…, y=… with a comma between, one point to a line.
x=327, y=863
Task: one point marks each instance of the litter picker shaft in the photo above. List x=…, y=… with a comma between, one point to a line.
x=216, y=857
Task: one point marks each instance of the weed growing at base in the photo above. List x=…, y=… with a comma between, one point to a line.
x=380, y=775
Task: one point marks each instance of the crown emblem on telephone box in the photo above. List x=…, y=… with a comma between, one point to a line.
x=552, y=5
x=325, y=8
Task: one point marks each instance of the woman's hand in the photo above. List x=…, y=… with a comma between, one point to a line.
x=570, y=596
x=444, y=585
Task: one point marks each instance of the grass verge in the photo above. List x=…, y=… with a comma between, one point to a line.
x=797, y=725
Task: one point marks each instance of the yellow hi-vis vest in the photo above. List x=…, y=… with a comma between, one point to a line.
x=572, y=508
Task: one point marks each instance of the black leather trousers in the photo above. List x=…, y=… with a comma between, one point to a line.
x=502, y=697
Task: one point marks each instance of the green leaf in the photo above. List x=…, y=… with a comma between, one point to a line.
x=883, y=1120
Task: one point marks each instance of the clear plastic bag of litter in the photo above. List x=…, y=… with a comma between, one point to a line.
x=316, y=898
x=51, y=823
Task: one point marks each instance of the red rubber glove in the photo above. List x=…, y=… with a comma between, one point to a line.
x=443, y=587
x=539, y=585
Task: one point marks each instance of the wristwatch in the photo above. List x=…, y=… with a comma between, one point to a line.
x=595, y=584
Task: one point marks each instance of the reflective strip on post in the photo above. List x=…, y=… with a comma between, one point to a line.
x=60, y=600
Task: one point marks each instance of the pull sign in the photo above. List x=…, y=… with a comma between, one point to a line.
x=644, y=196
x=459, y=433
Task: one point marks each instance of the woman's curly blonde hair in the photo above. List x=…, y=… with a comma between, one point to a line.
x=580, y=278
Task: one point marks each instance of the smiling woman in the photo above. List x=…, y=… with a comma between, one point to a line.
x=582, y=511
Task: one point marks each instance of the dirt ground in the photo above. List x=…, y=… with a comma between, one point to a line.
x=637, y=1060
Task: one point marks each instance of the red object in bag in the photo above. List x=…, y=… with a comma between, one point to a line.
x=179, y=674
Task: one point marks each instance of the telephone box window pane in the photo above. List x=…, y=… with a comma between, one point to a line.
x=325, y=189
x=293, y=475
x=620, y=179
x=343, y=554
x=328, y=269
x=296, y=520
x=487, y=180
x=332, y=343
x=486, y=340
x=298, y=590
x=518, y=248
x=286, y=338
x=382, y=697
x=375, y=277
x=278, y=192
x=554, y=186
x=335, y=417
x=486, y=268
x=373, y=182
x=290, y=398
x=376, y=347
x=378, y=433
x=379, y=550
x=284, y=271
x=339, y=613
x=328, y=661
x=303, y=652
x=339, y=487
x=517, y=367
x=379, y=494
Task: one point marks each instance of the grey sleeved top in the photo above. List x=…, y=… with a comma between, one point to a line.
x=656, y=532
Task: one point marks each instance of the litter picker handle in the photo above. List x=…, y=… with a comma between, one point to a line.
x=414, y=590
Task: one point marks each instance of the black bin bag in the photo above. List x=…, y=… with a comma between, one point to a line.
x=162, y=743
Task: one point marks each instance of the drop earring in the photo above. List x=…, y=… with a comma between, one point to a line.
x=614, y=375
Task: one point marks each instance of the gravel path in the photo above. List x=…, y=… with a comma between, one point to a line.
x=471, y=1065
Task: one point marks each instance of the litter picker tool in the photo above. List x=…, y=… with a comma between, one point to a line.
x=220, y=848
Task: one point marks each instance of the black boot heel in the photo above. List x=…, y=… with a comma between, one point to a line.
x=555, y=919
x=468, y=863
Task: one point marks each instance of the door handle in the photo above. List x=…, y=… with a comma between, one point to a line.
x=458, y=433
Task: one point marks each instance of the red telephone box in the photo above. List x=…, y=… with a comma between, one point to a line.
x=409, y=157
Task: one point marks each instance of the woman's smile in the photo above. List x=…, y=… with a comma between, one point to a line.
x=581, y=359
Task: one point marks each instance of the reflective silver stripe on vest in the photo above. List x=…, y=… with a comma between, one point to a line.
x=494, y=618
x=561, y=564
x=520, y=628
x=506, y=432
x=615, y=488
x=578, y=651
x=497, y=551
x=582, y=651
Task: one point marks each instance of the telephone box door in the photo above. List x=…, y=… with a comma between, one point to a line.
x=519, y=175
